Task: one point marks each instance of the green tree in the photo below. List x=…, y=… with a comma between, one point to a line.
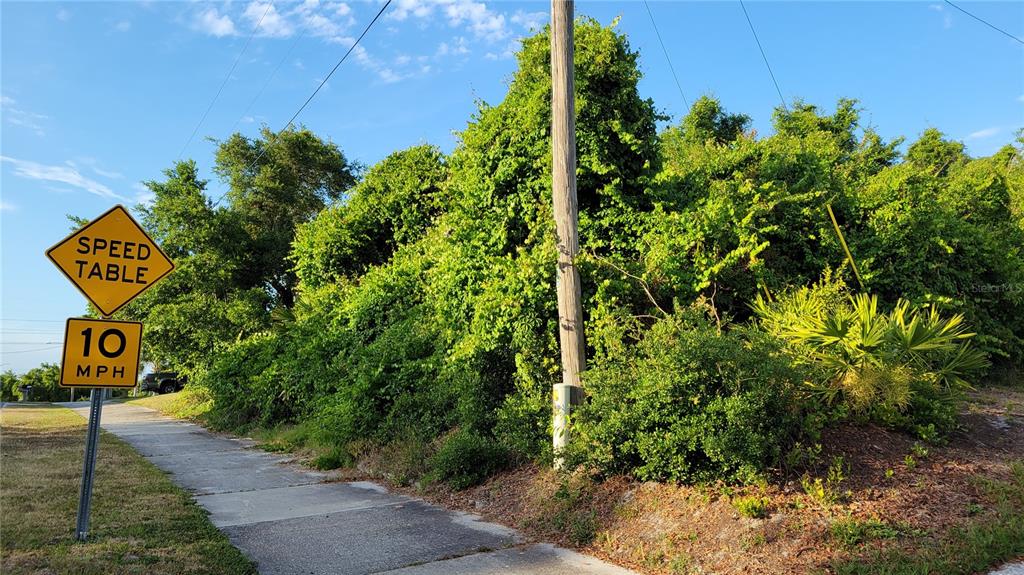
x=275, y=183
x=9, y=386
x=394, y=204
x=45, y=382
x=207, y=302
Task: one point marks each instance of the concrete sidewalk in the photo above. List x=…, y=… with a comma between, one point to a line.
x=291, y=521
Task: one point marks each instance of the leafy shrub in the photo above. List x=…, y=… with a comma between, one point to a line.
x=690, y=404
x=466, y=458
x=752, y=506
x=905, y=368
x=393, y=205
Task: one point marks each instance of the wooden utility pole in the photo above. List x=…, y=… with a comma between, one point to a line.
x=563, y=190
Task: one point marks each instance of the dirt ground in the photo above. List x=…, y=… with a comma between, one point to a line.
x=872, y=490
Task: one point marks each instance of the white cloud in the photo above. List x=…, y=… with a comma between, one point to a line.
x=1020, y=98
x=982, y=134
x=473, y=22
x=63, y=15
x=457, y=47
x=483, y=21
x=214, y=23
x=6, y=207
x=94, y=165
x=328, y=21
x=271, y=22
x=63, y=174
x=405, y=8
x=16, y=116
x=108, y=174
x=342, y=9
x=123, y=26
x=385, y=73
x=531, y=21
x=947, y=18
x=143, y=195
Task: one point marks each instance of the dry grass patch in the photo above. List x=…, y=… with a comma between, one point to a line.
x=141, y=523
x=874, y=502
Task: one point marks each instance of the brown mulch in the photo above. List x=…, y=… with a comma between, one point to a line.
x=919, y=489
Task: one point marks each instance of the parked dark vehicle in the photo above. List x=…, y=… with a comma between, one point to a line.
x=163, y=382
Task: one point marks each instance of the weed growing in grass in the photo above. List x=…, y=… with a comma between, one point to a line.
x=753, y=542
x=986, y=541
x=333, y=459
x=752, y=506
x=919, y=451
x=889, y=473
x=851, y=532
x=569, y=511
x=826, y=491
x=467, y=458
x=680, y=564
x=910, y=462
x=802, y=456
x=583, y=527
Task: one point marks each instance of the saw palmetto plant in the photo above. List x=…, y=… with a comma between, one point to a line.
x=872, y=358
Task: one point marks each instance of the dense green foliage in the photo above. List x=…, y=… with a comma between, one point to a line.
x=231, y=258
x=416, y=302
x=45, y=382
x=690, y=403
x=9, y=386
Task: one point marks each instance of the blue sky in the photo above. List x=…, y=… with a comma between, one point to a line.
x=97, y=97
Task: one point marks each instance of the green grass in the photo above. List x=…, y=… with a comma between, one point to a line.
x=141, y=523
x=852, y=532
x=989, y=539
x=190, y=403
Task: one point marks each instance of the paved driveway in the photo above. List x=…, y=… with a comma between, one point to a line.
x=292, y=521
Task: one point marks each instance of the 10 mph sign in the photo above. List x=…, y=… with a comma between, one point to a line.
x=101, y=353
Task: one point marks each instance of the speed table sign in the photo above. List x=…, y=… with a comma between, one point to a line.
x=101, y=353
x=111, y=260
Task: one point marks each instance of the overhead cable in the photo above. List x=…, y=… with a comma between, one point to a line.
x=225, y=81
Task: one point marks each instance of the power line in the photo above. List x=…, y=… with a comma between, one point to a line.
x=311, y=96
x=298, y=37
x=5, y=352
x=33, y=320
x=665, y=50
x=986, y=22
x=226, y=78
x=759, y=47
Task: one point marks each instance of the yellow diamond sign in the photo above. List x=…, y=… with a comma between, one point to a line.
x=111, y=260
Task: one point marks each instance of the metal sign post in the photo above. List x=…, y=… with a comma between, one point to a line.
x=92, y=437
